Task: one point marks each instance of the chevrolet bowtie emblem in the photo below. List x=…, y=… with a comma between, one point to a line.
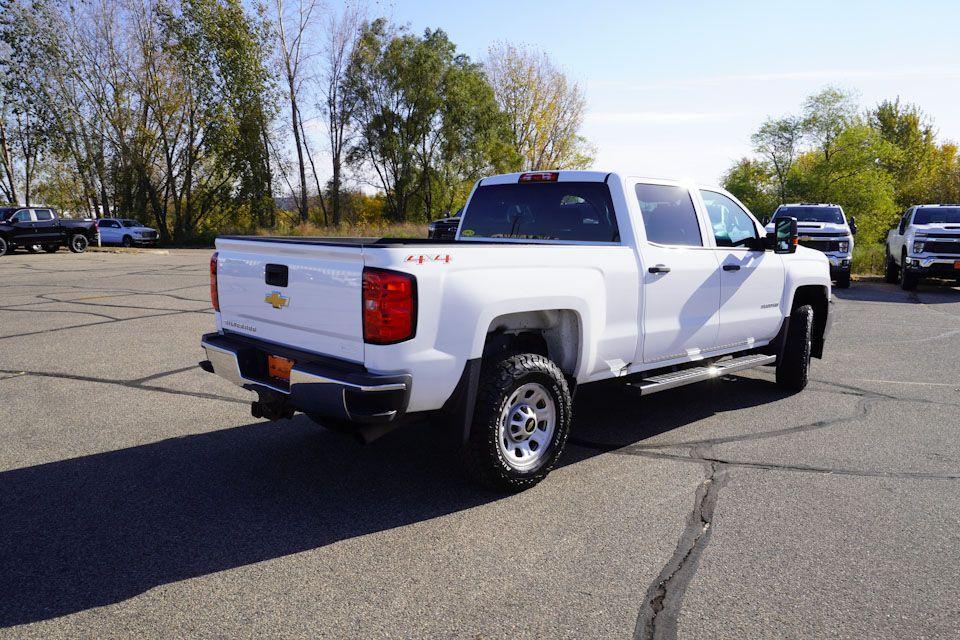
x=276, y=300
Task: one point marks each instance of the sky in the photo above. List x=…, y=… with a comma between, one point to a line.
x=674, y=89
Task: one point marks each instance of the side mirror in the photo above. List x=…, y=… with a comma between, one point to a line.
x=785, y=235
x=853, y=225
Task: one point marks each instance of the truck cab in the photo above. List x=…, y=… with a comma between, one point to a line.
x=824, y=227
x=926, y=242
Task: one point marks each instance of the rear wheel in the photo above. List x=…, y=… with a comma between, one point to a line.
x=891, y=274
x=520, y=426
x=793, y=368
x=79, y=243
x=33, y=248
x=4, y=247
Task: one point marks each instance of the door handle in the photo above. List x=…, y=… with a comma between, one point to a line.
x=659, y=268
x=731, y=267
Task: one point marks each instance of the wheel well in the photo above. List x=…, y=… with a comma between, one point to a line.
x=816, y=297
x=554, y=333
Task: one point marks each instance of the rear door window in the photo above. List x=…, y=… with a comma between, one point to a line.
x=44, y=215
x=668, y=215
x=564, y=211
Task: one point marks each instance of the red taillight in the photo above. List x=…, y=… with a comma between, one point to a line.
x=389, y=306
x=214, y=296
x=540, y=176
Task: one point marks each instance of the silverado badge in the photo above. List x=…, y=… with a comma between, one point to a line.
x=276, y=300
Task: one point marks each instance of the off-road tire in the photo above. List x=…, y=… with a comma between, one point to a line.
x=793, y=368
x=843, y=280
x=78, y=243
x=891, y=273
x=499, y=379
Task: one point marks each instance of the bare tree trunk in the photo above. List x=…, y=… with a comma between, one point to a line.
x=316, y=178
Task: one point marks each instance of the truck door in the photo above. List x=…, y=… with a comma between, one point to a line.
x=46, y=229
x=751, y=281
x=680, y=276
x=23, y=227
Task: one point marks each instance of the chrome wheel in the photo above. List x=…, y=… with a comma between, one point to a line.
x=526, y=427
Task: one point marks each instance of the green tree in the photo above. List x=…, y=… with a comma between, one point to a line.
x=755, y=185
x=778, y=141
x=426, y=120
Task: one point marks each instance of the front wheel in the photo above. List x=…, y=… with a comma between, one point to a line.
x=127, y=241
x=891, y=274
x=79, y=243
x=793, y=368
x=908, y=280
x=4, y=247
x=843, y=280
x=521, y=422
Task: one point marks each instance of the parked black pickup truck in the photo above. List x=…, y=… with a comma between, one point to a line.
x=36, y=228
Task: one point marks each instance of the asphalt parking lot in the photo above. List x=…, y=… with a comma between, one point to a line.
x=139, y=498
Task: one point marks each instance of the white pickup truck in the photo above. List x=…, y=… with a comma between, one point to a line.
x=824, y=227
x=555, y=280
x=925, y=243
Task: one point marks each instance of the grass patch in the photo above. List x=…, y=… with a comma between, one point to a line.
x=868, y=259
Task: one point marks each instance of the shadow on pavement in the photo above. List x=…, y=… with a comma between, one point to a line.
x=933, y=291
x=99, y=529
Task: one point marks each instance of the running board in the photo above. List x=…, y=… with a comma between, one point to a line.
x=674, y=379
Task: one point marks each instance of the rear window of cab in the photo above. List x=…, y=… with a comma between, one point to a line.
x=561, y=211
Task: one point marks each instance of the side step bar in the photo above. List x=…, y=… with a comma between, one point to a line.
x=674, y=379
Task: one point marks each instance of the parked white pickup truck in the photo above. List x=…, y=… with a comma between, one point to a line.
x=555, y=280
x=925, y=243
x=824, y=227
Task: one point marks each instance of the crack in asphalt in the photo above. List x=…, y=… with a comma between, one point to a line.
x=658, y=615
x=136, y=383
x=94, y=324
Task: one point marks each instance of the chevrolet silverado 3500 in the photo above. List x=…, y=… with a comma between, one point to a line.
x=925, y=243
x=824, y=227
x=555, y=280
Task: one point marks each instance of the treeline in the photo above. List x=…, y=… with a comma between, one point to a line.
x=196, y=115
x=875, y=163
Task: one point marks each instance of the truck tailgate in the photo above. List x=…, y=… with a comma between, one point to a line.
x=306, y=296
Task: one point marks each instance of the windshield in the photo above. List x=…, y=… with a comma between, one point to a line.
x=937, y=215
x=5, y=214
x=572, y=211
x=829, y=215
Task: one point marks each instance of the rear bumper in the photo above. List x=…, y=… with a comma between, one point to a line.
x=323, y=387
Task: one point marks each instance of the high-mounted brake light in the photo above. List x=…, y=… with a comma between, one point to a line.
x=540, y=176
x=214, y=295
x=389, y=306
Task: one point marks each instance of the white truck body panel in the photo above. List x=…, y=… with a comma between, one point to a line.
x=322, y=309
